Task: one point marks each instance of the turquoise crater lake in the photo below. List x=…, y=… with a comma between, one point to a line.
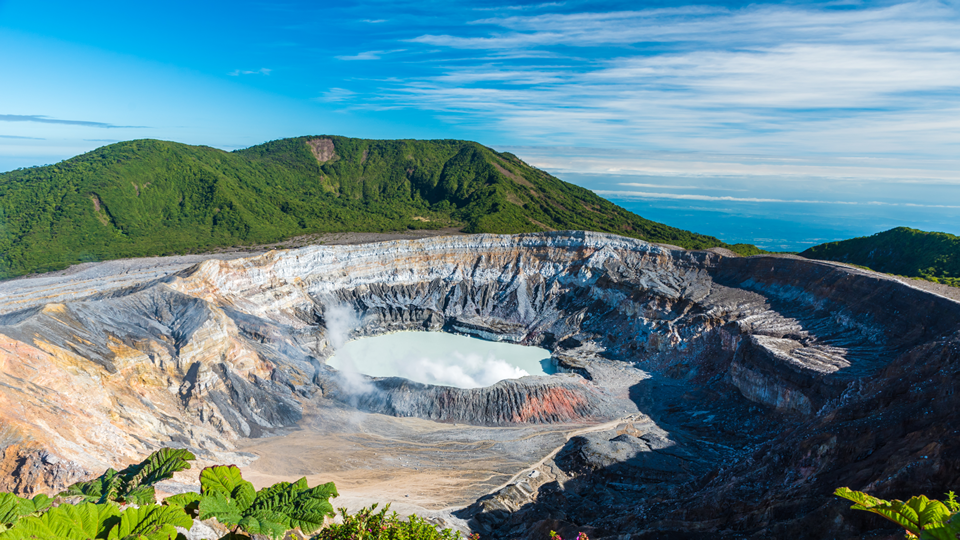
x=441, y=358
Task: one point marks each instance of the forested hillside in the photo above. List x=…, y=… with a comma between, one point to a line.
x=906, y=252
x=149, y=197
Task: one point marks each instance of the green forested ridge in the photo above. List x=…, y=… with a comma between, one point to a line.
x=149, y=197
x=902, y=251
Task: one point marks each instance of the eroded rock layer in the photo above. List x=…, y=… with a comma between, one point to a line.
x=96, y=371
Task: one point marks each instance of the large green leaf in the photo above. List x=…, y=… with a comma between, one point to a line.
x=227, y=480
x=220, y=506
x=189, y=501
x=151, y=522
x=134, y=483
x=84, y=521
x=10, y=510
x=158, y=466
x=950, y=530
x=305, y=508
x=267, y=523
x=104, y=488
x=915, y=515
x=35, y=506
x=141, y=495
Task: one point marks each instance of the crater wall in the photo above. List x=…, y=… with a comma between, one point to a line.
x=100, y=370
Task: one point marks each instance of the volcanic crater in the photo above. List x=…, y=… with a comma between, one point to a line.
x=700, y=394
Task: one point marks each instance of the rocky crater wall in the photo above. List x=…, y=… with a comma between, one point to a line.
x=229, y=349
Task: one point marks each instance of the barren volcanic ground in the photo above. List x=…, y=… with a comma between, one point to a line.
x=700, y=396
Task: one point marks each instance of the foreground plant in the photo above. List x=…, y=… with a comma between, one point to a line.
x=368, y=524
x=923, y=518
x=135, y=483
x=13, y=508
x=272, y=511
x=224, y=495
x=87, y=521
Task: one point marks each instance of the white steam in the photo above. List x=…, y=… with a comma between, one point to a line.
x=438, y=358
x=463, y=370
x=341, y=320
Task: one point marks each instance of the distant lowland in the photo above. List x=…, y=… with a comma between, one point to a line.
x=149, y=197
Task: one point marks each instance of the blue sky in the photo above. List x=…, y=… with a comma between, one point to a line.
x=771, y=96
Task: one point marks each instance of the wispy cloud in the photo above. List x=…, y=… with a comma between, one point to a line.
x=691, y=197
x=530, y=7
x=335, y=95
x=374, y=21
x=41, y=119
x=895, y=168
x=668, y=186
x=368, y=55
x=784, y=80
x=239, y=72
x=21, y=137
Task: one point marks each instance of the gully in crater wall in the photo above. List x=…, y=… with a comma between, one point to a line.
x=231, y=349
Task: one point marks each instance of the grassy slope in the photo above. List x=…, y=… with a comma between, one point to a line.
x=902, y=251
x=150, y=197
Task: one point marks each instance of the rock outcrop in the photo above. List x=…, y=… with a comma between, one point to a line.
x=770, y=380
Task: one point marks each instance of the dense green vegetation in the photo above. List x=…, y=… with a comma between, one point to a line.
x=906, y=252
x=148, y=197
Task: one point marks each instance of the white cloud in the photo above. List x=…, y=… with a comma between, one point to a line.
x=334, y=95
x=774, y=80
x=691, y=197
x=530, y=7
x=668, y=186
x=699, y=165
x=368, y=55
x=261, y=71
